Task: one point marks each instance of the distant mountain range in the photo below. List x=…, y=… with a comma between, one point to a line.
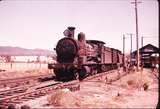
x=18, y=51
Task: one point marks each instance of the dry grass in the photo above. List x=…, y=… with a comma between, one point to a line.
x=23, y=69
x=23, y=73
x=63, y=98
x=137, y=80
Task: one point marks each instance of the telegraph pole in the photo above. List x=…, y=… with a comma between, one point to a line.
x=142, y=41
x=131, y=51
x=123, y=52
x=131, y=47
x=137, y=37
x=142, y=46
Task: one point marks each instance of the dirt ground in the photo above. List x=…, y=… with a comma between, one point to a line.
x=136, y=90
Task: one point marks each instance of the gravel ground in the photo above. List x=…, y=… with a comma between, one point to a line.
x=119, y=94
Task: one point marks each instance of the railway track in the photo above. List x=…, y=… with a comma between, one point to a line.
x=155, y=74
x=105, y=76
x=43, y=90
x=13, y=91
x=21, y=81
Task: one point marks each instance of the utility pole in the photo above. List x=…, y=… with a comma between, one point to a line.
x=131, y=51
x=141, y=54
x=137, y=37
x=142, y=41
x=131, y=34
x=123, y=52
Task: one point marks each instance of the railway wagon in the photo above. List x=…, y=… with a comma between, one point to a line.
x=106, y=55
x=78, y=58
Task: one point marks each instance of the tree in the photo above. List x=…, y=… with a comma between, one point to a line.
x=8, y=58
x=38, y=59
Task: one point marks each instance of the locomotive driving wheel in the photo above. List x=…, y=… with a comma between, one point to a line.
x=94, y=72
x=76, y=76
x=103, y=68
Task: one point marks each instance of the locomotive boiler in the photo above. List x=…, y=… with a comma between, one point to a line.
x=78, y=58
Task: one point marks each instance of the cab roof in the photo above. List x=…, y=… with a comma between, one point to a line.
x=95, y=42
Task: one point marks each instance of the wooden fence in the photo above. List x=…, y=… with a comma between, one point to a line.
x=23, y=66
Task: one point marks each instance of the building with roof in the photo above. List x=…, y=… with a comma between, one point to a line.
x=149, y=56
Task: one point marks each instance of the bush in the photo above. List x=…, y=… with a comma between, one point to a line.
x=137, y=80
x=63, y=98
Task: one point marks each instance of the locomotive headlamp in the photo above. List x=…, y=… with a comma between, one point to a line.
x=67, y=32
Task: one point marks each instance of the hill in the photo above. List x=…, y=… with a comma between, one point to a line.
x=18, y=51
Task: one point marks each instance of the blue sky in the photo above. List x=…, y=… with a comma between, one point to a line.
x=40, y=23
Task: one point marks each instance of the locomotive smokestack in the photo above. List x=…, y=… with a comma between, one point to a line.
x=71, y=29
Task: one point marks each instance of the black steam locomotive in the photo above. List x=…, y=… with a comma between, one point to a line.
x=79, y=58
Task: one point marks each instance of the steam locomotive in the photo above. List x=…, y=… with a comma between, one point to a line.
x=79, y=58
